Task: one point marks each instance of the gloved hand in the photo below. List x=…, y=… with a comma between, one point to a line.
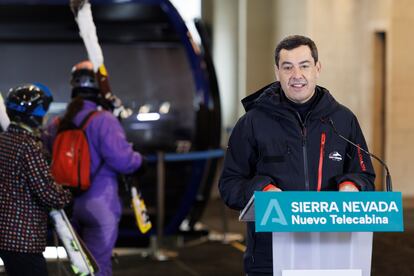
x=143, y=168
x=348, y=186
x=271, y=188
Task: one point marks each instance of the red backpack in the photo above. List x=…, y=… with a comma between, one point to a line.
x=71, y=158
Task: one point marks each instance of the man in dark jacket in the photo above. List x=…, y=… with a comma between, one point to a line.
x=288, y=141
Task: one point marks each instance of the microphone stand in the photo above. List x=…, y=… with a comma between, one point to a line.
x=388, y=181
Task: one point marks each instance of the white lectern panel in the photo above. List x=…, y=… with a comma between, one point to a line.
x=323, y=251
x=318, y=272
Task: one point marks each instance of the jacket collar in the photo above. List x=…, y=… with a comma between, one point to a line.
x=23, y=129
x=87, y=104
x=270, y=99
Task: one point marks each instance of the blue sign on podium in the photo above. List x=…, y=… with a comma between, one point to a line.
x=328, y=212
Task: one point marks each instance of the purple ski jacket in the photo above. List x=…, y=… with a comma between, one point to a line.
x=107, y=144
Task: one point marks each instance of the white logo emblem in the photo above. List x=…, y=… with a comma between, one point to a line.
x=335, y=156
x=273, y=206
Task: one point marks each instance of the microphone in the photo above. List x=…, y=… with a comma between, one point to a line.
x=388, y=181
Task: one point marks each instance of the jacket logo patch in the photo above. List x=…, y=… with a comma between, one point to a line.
x=335, y=156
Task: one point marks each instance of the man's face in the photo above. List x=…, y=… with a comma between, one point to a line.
x=297, y=73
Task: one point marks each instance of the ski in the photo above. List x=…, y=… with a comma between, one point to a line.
x=140, y=211
x=82, y=261
x=4, y=119
x=81, y=9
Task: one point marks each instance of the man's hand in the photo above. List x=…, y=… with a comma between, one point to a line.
x=348, y=187
x=271, y=188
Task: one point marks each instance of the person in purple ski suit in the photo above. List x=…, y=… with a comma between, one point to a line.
x=97, y=212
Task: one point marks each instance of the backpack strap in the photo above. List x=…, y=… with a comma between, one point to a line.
x=83, y=126
x=85, y=120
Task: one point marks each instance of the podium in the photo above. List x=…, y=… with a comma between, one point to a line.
x=340, y=249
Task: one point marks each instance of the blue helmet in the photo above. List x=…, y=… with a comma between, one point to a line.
x=28, y=103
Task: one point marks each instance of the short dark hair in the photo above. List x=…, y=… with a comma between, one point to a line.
x=294, y=41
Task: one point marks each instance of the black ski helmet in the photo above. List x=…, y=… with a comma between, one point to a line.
x=28, y=103
x=84, y=82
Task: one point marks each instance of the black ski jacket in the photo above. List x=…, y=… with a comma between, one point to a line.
x=272, y=144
